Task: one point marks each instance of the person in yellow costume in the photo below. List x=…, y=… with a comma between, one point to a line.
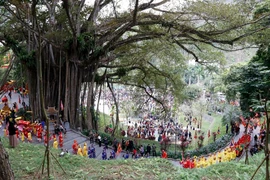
x=219, y=155
x=55, y=144
x=22, y=137
x=233, y=155
x=80, y=151
x=202, y=162
x=195, y=161
x=84, y=151
x=206, y=162
x=29, y=138
x=214, y=158
x=210, y=159
x=229, y=154
x=198, y=163
x=225, y=156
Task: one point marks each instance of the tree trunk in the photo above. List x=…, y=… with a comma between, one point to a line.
x=6, y=171
x=97, y=110
x=75, y=89
x=183, y=155
x=89, y=121
x=267, y=177
x=82, y=106
x=72, y=93
x=246, y=160
x=117, y=109
x=67, y=94
x=96, y=113
x=33, y=96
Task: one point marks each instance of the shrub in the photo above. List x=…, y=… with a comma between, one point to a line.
x=212, y=147
x=85, y=132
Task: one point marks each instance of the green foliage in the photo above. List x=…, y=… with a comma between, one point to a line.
x=212, y=147
x=262, y=10
x=262, y=56
x=231, y=114
x=21, y=53
x=192, y=92
x=85, y=44
x=251, y=81
x=156, y=64
x=121, y=72
x=2, y=2
x=85, y=132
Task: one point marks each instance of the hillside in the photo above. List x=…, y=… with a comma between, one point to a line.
x=26, y=163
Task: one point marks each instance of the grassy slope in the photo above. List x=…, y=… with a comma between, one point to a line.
x=206, y=125
x=26, y=160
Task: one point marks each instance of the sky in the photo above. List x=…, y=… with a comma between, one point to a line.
x=125, y=4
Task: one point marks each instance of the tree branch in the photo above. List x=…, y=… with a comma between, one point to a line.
x=26, y=25
x=97, y=7
x=135, y=11
x=145, y=89
x=66, y=7
x=114, y=10
x=135, y=38
x=148, y=5
x=187, y=50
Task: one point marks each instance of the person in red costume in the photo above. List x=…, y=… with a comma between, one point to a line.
x=164, y=154
x=75, y=147
x=17, y=133
x=61, y=141
x=188, y=163
x=39, y=134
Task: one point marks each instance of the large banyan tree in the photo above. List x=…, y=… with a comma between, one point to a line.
x=82, y=44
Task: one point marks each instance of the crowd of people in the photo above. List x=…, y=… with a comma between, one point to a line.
x=126, y=148
x=150, y=127
x=250, y=140
x=154, y=129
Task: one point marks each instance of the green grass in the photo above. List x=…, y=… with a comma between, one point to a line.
x=27, y=158
x=217, y=124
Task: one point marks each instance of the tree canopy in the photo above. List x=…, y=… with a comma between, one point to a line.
x=145, y=44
